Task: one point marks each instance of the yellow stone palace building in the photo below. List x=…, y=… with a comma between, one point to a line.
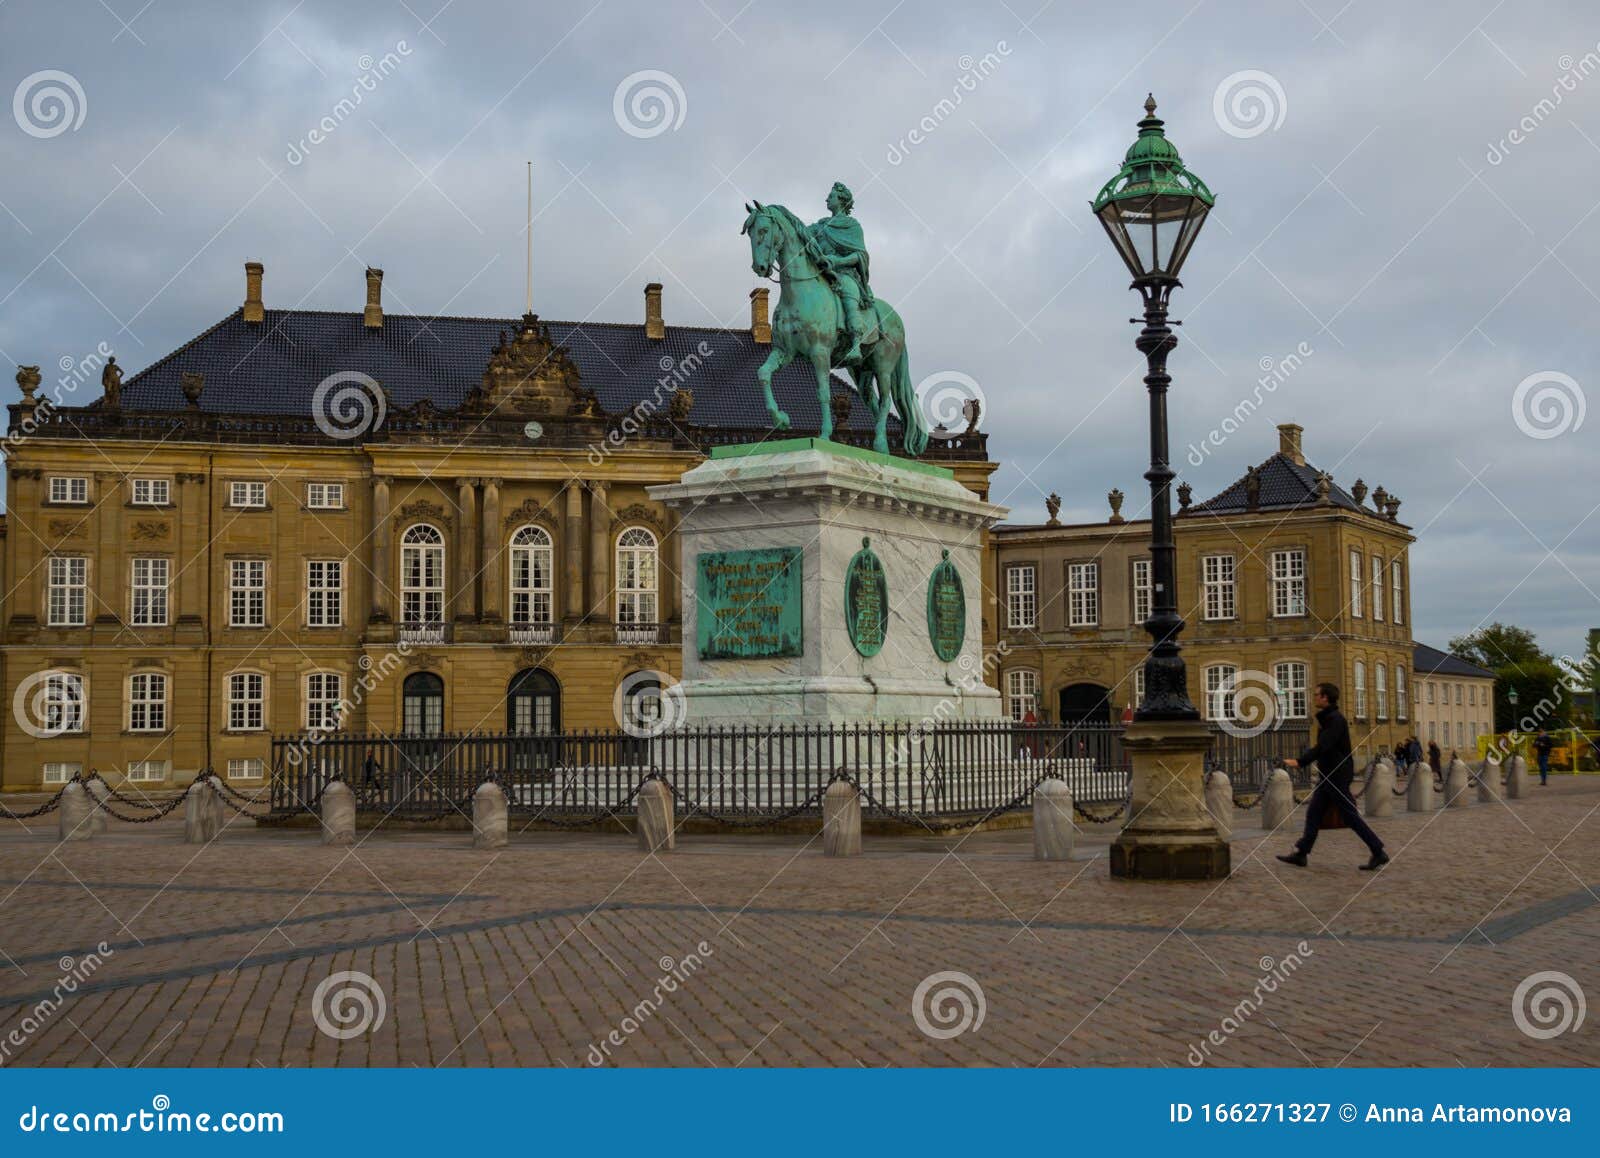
x=429, y=524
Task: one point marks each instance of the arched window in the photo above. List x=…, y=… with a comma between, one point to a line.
x=147, y=702
x=532, y=565
x=423, y=696
x=421, y=576
x=636, y=578
x=533, y=703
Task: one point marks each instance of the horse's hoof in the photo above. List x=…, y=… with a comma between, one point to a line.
x=881, y=445
x=780, y=420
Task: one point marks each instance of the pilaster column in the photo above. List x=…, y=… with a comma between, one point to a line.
x=191, y=563
x=380, y=560
x=600, y=598
x=108, y=584
x=572, y=548
x=26, y=527
x=493, y=543
x=670, y=566
x=467, y=550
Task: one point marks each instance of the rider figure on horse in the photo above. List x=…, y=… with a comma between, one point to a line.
x=842, y=256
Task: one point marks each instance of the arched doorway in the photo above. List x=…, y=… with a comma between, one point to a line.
x=423, y=704
x=1084, y=703
x=533, y=703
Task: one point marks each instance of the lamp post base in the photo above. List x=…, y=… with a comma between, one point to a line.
x=1170, y=835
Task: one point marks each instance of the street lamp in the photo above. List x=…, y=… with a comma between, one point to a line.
x=1153, y=210
x=1511, y=697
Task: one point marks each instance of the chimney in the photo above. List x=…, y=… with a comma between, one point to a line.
x=1289, y=442
x=760, y=325
x=254, y=311
x=654, y=327
x=372, y=316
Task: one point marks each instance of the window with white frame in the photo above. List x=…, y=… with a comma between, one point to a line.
x=1380, y=690
x=147, y=771
x=324, y=691
x=1361, y=690
x=1377, y=589
x=247, y=494
x=1022, y=599
x=1458, y=694
x=1221, y=679
x=1218, y=587
x=1290, y=677
x=1472, y=695
x=59, y=772
x=1141, y=591
x=532, y=568
x=421, y=576
x=68, y=602
x=324, y=592
x=1138, y=686
x=325, y=496
x=152, y=492
x=1288, y=582
x=1397, y=586
x=1356, y=581
x=247, y=768
x=1401, y=708
x=149, y=592
x=636, y=577
x=1433, y=730
x=147, y=702
x=63, y=705
x=1022, y=693
x=69, y=489
x=1461, y=733
x=1083, y=594
x=247, y=701
x=247, y=593
x=1428, y=685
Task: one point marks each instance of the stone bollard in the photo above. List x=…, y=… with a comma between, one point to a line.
x=841, y=820
x=1277, y=801
x=338, y=814
x=100, y=792
x=202, y=813
x=1377, y=798
x=1219, y=802
x=1419, y=789
x=1516, y=778
x=653, y=820
x=1053, y=830
x=75, y=814
x=1456, y=782
x=1489, y=786
x=491, y=819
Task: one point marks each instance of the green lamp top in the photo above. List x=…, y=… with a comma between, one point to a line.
x=1152, y=168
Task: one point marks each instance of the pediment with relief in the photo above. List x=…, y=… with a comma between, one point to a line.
x=529, y=376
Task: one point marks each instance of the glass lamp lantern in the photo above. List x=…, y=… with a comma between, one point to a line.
x=1153, y=208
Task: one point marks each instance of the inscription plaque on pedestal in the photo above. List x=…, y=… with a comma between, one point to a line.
x=749, y=603
x=866, y=601
x=947, y=610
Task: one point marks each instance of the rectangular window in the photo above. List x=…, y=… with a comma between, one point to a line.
x=1022, y=694
x=1380, y=689
x=1021, y=597
x=57, y=772
x=150, y=582
x=1220, y=681
x=250, y=768
x=1397, y=584
x=1083, y=594
x=247, y=494
x=1458, y=695
x=1138, y=685
x=1433, y=730
x=1361, y=690
x=1217, y=586
x=1377, y=589
x=1356, y=581
x=325, y=496
x=1291, y=680
x=151, y=492
x=247, y=593
x=147, y=702
x=1288, y=583
x=324, y=592
x=324, y=690
x=64, y=703
x=1401, y=707
x=1141, y=592
x=69, y=591
x=147, y=771
x=247, y=703
x=69, y=490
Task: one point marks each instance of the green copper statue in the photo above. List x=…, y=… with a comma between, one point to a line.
x=827, y=315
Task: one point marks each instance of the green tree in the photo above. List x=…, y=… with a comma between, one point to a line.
x=1517, y=660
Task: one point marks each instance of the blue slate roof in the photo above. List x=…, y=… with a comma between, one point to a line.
x=1427, y=660
x=1285, y=484
x=273, y=367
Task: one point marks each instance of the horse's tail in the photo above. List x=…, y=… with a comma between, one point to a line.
x=905, y=401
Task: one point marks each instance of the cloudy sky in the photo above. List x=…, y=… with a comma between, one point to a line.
x=1374, y=209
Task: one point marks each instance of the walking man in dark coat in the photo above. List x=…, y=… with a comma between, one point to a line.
x=1332, y=755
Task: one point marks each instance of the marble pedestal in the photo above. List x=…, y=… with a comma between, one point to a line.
x=823, y=499
x=1170, y=834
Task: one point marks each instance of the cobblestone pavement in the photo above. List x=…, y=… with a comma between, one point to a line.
x=576, y=949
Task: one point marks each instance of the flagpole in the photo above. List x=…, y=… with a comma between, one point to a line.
x=530, y=238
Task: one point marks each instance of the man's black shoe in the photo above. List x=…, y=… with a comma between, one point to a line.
x=1298, y=859
x=1379, y=859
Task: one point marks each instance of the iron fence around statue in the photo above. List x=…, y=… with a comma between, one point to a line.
x=737, y=774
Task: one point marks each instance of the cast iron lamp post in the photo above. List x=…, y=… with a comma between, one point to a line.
x=1153, y=210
